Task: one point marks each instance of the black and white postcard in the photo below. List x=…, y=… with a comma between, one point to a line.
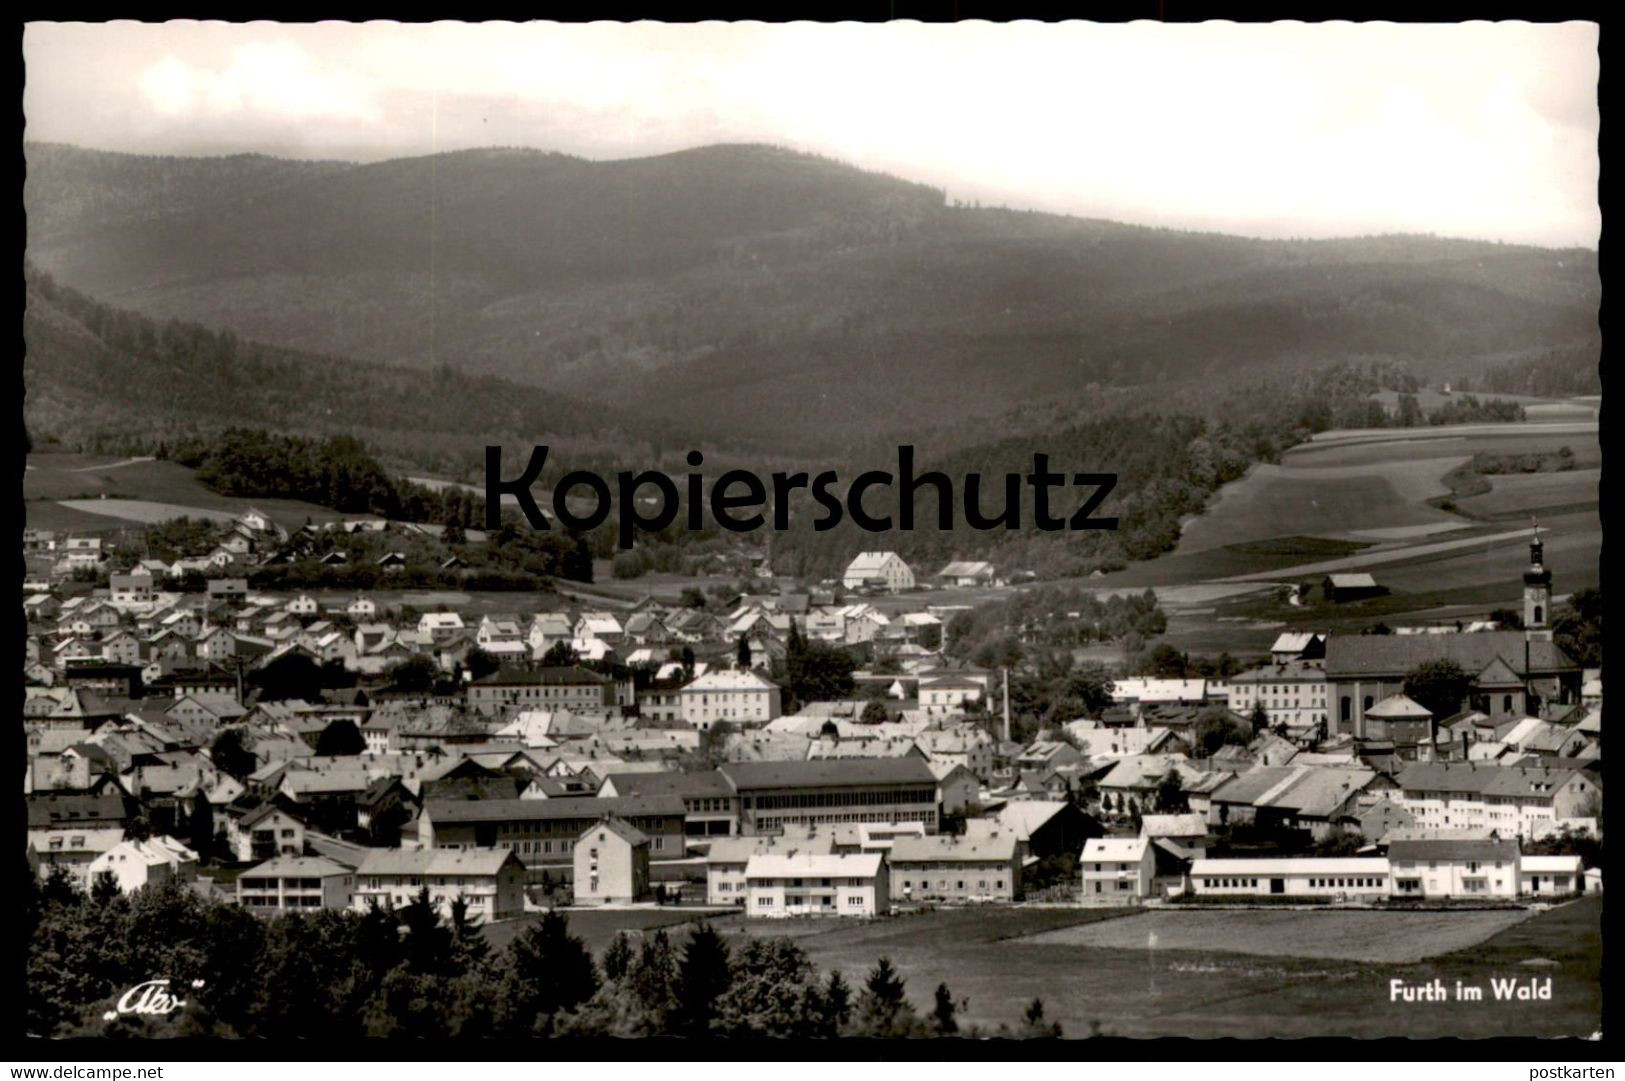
x=1004, y=530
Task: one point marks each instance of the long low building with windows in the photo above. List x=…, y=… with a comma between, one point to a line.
x=774, y=795
x=1423, y=868
x=542, y=833
x=1328, y=878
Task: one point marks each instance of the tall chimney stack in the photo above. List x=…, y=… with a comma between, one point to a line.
x=1006, y=672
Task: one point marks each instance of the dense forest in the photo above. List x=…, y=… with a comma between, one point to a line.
x=409, y=972
x=756, y=296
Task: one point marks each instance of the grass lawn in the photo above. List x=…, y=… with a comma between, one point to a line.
x=985, y=957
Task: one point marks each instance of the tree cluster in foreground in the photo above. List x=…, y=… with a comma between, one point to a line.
x=409, y=972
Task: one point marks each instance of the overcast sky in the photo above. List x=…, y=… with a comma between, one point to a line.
x=1477, y=130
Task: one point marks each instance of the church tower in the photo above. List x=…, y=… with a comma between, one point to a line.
x=1537, y=594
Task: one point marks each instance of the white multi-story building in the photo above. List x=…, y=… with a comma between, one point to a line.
x=1450, y=867
x=1515, y=801
x=491, y=880
x=733, y=695
x=807, y=884
x=1292, y=692
x=728, y=857
x=295, y=884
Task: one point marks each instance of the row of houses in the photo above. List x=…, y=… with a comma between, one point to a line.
x=1449, y=865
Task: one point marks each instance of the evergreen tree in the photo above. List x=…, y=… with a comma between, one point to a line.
x=944, y=1012
x=202, y=826
x=702, y=979
x=882, y=1008
x=548, y=971
x=617, y=958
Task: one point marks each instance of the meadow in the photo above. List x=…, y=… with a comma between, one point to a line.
x=1213, y=974
x=1377, y=936
x=1000, y=959
x=82, y=491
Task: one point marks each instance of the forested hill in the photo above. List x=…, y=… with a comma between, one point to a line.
x=762, y=295
x=100, y=378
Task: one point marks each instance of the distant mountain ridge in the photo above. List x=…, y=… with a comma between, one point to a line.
x=757, y=293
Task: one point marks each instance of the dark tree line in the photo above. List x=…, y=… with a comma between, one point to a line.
x=413, y=972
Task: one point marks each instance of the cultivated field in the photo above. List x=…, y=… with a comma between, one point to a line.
x=144, y=511
x=1384, y=937
x=1522, y=494
x=80, y=491
x=1281, y=500
x=1359, y=500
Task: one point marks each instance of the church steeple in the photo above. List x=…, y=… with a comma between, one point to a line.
x=1537, y=590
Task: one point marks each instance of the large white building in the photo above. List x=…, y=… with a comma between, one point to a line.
x=878, y=570
x=1454, y=868
x=295, y=884
x=1292, y=692
x=808, y=884
x=1515, y=801
x=491, y=880
x=134, y=864
x=737, y=696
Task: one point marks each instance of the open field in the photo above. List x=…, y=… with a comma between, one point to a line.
x=1379, y=936
x=987, y=957
x=1374, y=485
x=1280, y=500
x=1241, y=973
x=66, y=491
x=1522, y=494
x=144, y=511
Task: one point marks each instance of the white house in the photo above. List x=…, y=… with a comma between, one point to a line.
x=1117, y=870
x=739, y=697
x=1550, y=876
x=878, y=570
x=134, y=864
x=808, y=884
x=439, y=626
x=296, y=884
x=1451, y=867
x=491, y=880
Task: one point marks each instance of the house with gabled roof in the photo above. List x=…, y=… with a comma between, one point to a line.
x=490, y=880
x=879, y=571
x=263, y=832
x=611, y=864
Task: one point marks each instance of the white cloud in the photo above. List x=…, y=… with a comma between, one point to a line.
x=1275, y=129
x=268, y=80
